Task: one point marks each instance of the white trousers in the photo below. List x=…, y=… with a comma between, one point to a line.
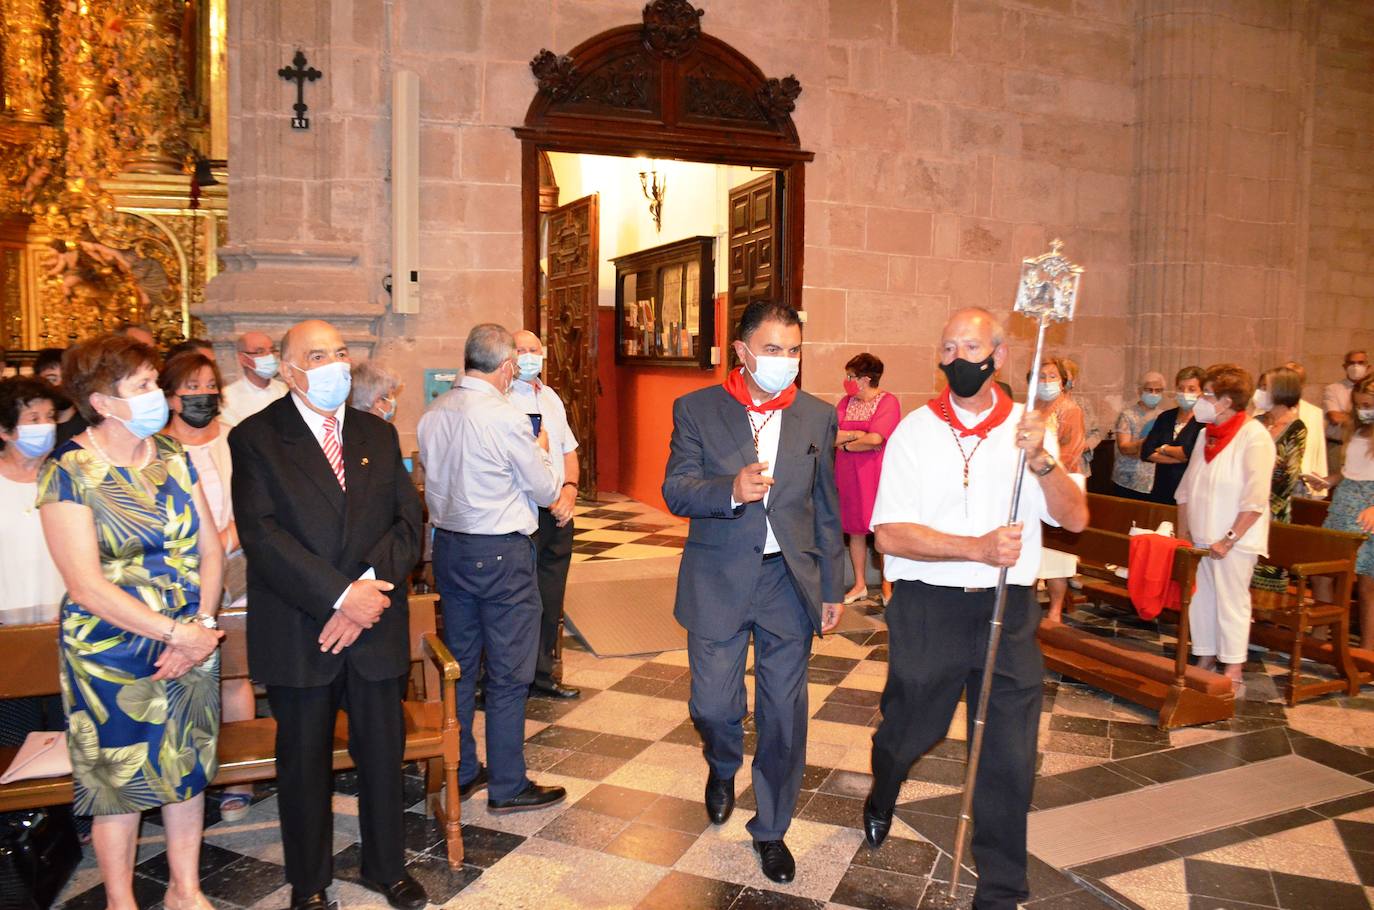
x=1219, y=614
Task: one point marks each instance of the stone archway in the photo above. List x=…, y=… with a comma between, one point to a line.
x=662, y=89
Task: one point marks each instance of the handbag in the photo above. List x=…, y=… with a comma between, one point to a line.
x=39, y=850
x=44, y=754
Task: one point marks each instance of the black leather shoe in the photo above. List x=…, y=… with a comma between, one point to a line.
x=532, y=797
x=472, y=786
x=876, y=825
x=776, y=860
x=720, y=798
x=403, y=894
x=317, y=901
x=552, y=689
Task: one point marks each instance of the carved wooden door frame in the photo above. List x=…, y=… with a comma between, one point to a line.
x=662, y=89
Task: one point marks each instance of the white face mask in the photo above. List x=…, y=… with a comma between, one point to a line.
x=1048, y=391
x=1357, y=371
x=1262, y=401
x=773, y=374
x=1366, y=415
x=1205, y=411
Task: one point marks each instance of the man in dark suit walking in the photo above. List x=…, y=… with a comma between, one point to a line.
x=330, y=524
x=752, y=465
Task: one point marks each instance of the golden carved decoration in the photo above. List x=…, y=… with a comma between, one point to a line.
x=97, y=142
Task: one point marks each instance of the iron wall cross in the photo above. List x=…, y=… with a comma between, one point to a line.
x=300, y=74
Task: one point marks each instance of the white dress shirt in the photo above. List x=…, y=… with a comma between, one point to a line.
x=1237, y=480
x=1314, y=453
x=923, y=483
x=537, y=398
x=769, y=431
x=242, y=399
x=484, y=472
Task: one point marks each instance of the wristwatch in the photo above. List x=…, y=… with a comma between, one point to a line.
x=1050, y=465
x=206, y=620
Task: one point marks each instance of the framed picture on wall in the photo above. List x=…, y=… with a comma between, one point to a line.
x=665, y=304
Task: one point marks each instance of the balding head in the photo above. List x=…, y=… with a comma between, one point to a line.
x=254, y=343
x=1152, y=381
x=526, y=342
x=307, y=346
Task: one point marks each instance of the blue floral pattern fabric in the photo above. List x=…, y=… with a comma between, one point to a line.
x=136, y=743
x=1350, y=499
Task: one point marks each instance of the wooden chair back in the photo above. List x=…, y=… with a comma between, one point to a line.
x=1309, y=511
x=31, y=661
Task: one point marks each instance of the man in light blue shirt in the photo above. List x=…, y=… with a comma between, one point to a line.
x=486, y=475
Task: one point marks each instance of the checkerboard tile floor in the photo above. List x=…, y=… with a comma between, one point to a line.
x=617, y=527
x=633, y=834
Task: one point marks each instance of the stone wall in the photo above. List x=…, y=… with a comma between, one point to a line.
x=1340, y=240
x=1165, y=141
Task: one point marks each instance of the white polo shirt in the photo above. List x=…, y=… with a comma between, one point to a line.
x=923, y=483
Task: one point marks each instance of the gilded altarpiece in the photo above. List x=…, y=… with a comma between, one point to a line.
x=112, y=172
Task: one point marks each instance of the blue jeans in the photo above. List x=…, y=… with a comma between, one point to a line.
x=491, y=607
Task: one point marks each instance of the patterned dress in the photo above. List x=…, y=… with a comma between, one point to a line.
x=135, y=743
x=1284, y=483
x=857, y=473
x=1353, y=495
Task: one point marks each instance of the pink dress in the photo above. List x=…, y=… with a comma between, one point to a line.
x=856, y=473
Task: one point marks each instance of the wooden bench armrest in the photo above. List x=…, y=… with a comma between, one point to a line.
x=1327, y=567
x=443, y=659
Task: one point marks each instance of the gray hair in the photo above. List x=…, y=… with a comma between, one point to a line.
x=488, y=346
x=373, y=381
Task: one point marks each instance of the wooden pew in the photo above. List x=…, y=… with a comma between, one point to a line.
x=1282, y=622
x=247, y=748
x=1309, y=511
x=1180, y=694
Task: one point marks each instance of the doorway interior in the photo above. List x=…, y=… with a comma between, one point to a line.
x=668, y=286
x=622, y=295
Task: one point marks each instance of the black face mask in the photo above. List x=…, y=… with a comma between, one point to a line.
x=199, y=410
x=966, y=377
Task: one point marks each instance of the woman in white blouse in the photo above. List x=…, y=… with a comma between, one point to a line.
x=31, y=588
x=1223, y=507
x=191, y=382
x=1352, y=505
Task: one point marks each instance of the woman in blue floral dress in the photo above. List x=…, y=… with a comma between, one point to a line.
x=1352, y=502
x=122, y=511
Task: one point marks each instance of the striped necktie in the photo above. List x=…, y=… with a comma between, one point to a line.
x=332, y=450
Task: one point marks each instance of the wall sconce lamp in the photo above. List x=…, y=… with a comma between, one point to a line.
x=655, y=188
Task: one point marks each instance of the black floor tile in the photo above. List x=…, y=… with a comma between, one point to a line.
x=665, y=672
x=934, y=770
x=829, y=662
x=859, y=715
x=852, y=784
x=551, y=710
x=640, y=685
x=833, y=810
x=1046, y=881
x=560, y=737
x=879, y=889
x=616, y=746
x=814, y=776
x=898, y=854
x=1071, y=900
x=441, y=883
x=147, y=893
x=1130, y=748
x=1333, y=756
x=1089, y=726
x=681, y=891
x=1208, y=879
x=244, y=881
x=1157, y=767
x=1212, y=840
x=1221, y=903
x=1127, y=862
x=212, y=859
x=862, y=697
x=1356, y=835
x=1364, y=866
x=1345, y=804
x=758, y=899
x=1281, y=822
x=819, y=676
x=1097, y=781
x=484, y=847
x=684, y=734
x=588, y=766
x=1051, y=793
x=1298, y=892
x=1253, y=747
x=422, y=833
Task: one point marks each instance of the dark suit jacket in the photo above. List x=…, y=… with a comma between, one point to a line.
x=711, y=442
x=306, y=541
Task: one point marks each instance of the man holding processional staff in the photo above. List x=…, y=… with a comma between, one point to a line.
x=941, y=520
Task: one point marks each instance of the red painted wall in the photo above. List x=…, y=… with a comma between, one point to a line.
x=635, y=415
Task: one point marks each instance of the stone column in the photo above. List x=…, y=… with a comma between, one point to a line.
x=1219, y=237
x=308, y=219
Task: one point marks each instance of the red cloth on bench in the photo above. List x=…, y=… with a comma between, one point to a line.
x=1151, y=583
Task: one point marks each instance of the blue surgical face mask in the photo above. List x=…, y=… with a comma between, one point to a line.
x=1186, y=400
x=36, y=439
x=329, y=384
x=147, y=413
x=772, y=373
x=265, y=365
x=1048, y=391
x=1151, y=399
x=390, y=415
x=529, y=365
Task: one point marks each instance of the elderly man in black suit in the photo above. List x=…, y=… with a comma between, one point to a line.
x=752, y=466
x=330, y=524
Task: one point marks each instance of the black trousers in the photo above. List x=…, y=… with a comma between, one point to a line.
x=781, y=629
x=553, y=556
x=937, y=644
x=1128, y=493
x=376, y=740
